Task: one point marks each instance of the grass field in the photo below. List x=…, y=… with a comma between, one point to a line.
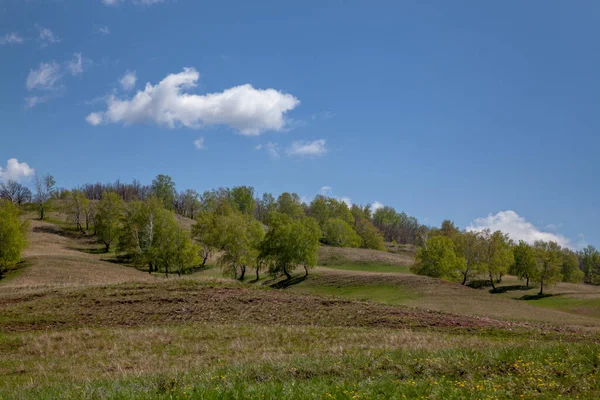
x=73, y=325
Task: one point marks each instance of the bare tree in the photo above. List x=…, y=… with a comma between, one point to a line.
x=44, y=186
x=15, y=192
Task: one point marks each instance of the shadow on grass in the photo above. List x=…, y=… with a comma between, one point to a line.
x=14, y=270
x=504, y=289
x=87, y=250
x=64, y=232
x=535, y=296
x=286, y=283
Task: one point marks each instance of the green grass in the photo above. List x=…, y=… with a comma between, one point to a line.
x=580, y=306
x=371, y=267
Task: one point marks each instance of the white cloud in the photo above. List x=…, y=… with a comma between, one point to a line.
x=325, y=190
x=376, y=205
x=272, y=149
x=94, y=119
x=47, y=36
x=76, y=64
x=45, y=77
x=346, y=200
x=128, y=80
x=248, y=110
x=301, y=148
x=11, y=38
x=15, y=171
x=32, y=101
x=104, y=30
x=199, y=143
x=517, y=228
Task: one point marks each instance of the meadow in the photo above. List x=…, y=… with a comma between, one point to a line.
x=74, y=323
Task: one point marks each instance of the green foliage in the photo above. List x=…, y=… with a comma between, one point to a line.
x=524, y=266
x=469, y=247
x=438, y=259
x=108, y=218
x=163, y=188
x=398, y=226
x=240, y=242
x=13, y=235
x=549, y=259
x=590, y=262
x=76, y=207
x=290, y=243
x=370, y=236
x=243, y=198
x=338, y=232
x=290, y=204
x=570, y=267
x=497, y=254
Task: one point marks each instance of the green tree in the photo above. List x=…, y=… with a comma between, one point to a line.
x=548, y=257
x=469, y=248
x=243, y=198
x=171, y=247
x=438, y=259
x=45, y=189
x=290, y=204
x=290, y=243
x=13, y=235
x=163, y=188
x=338, y=232
x=108, y=218
x=590, y=263
x=76, y=206
x=497, y=254
x=370, y=236
x=570, y=267
x=240, y=245
x=524, y=266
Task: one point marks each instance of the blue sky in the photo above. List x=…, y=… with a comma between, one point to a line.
x=456, y=110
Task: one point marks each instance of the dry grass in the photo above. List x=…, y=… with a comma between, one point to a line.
x=336, y=255
x=58, y=260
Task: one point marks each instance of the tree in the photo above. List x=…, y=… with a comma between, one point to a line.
x=15, y=192
x=590, y=264
x=497, y=254
x=45, y=189
x=338, y=232
x=570, y=267
x=187, y=204
x=13, y=235
x=240, y=244
x=163, y=188
x=524, y=265
x=548, y=257
x=76, y=206
x=290, y=204
x=290, y=243
x=264, y=206
x=370, y=236
x=243, y=198
x=171, y=247
x=468, y=247
x=108, y=218
x=438, y=259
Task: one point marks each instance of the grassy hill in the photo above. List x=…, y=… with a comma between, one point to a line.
x=73, y=324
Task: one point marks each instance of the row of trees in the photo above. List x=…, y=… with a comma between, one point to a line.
x=465, y=255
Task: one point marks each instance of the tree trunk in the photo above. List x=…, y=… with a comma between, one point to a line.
x=150, y=268
x=257, y=273
x=306, y=269
x=464, y=279
x=492, y=282
x=287, y=274
x=107, y=247
x=243, y=269
x=527, y=281
x=541, y=288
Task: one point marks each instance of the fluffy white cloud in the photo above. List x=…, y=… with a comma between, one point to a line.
x=45, y=77
x=248, y=110
x=94, y=119
x=76, y=64
x=11, y=38
x=47, y=36
x=302, y=148
x=15, y=171
x=199, y=143
x=128, y=80
x=517, y=228
x=376, y=205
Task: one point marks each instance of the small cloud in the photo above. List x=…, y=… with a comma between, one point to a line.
x=15, y=171
x=45, y=77
x=76, y=64
x=11, y=38
x=46, y=36
x=272, y=149
x=103, y=30
x=376, y=205
x=32, y=101
x=321, y=115
x=94, y=119
x=199, y=143
x=258, y=147
x=325, y=190
x=128, y=80
x=517, y=228
x=302, y=148
x=347, y=200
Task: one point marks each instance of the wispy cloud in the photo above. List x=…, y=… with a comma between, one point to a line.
x=128, y=80
x=103, y=30
x=305, y=148
x=45, y=77
x=199, y=143
x=76, y=64
x=11, y=38
x=46, y=36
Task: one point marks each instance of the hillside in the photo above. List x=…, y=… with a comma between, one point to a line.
x=74, y=322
